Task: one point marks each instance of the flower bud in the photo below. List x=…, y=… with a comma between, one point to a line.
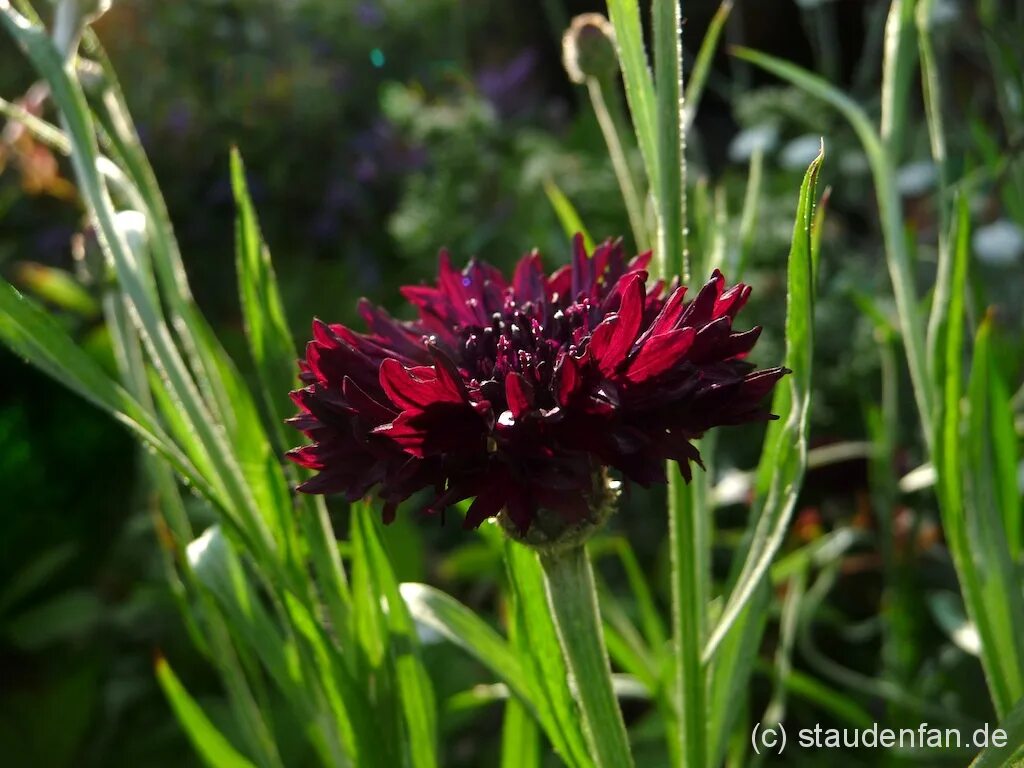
x=588, y=48
x=554, y=530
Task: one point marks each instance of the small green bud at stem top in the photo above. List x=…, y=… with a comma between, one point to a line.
x=552, y=532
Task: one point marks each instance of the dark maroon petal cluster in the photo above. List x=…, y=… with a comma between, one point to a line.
x=519, y=393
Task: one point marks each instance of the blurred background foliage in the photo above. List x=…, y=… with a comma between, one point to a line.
x=377, y=131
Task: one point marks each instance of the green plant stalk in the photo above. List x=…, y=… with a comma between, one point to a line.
x=572, y=600
x=687, y=541
x=670, y=191
x=931, y=85
x=623, y=174
x=687, y=544
x=897, y=68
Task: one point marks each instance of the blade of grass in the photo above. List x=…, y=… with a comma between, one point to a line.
x=567, y=215
x=262, y=309
x=520, y=745
x=931, y=85
x=596, y=88
x=1000, y=652
x=898, y=62
x=670, y=192
x=636, y=75
x=32, y=333
x=702, y=64
x=991, y=507
x=997, y=757
x=215, y=750
x=402, y=644
x=749, y=215
x=780, y=471
x=464, y=628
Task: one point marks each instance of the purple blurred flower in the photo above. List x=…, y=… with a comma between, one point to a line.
x=505, y=86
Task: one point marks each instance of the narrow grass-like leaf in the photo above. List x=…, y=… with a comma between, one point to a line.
x=636, y=74
x=780, y=471
x=898, y=64
x=625, y=645
x=570, y=220
x=733, y=644
x=931, y=86
x=1009, y=754
x=992, y=510
x=650, y=618
x=270, y=341
x=401, y=642
x=32, y=333
x=670, y=191
x=215, y=750
x=749, y=215
x=827, y=697
x=610, y=128
x=992, y=445
x=987, y=580
x=520, y=742
x=461, y=626
x=702, y=64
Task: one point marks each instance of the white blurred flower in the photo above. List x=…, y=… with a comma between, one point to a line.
x=799, y=153
x=1000, y=243
x=915, y=179
x=764, y=137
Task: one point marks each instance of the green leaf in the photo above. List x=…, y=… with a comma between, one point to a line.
x=998, y=757
x=33, y=334
x=636, y=74
x=399, y=639
x=992, y=444
x=702, y=64
x=57, y=287
x=270, y=340
x=670, y=189
x=783, y=461
x=567, y=215
x=461, y=626
x=974, y=527
x=734, y=641
x=135, y=278
x=520, y=745
x=215, y=750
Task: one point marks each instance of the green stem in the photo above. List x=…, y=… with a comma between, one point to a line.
x=572, y=600
x=687, y=538
x=630, y=196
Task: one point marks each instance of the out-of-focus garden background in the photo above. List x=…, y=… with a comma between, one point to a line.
x=374, y=133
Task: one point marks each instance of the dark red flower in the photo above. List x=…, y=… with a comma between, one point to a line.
x=520, y=393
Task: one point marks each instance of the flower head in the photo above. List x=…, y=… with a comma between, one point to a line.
x=522, y=393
